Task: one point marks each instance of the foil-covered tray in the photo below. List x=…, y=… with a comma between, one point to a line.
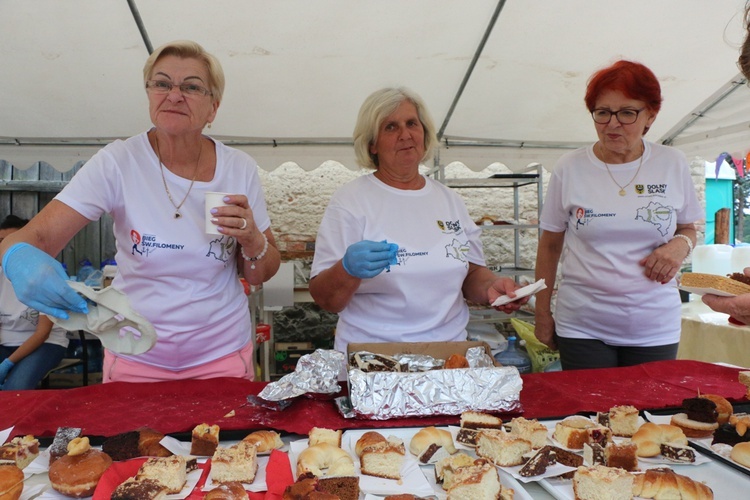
x=386, y=395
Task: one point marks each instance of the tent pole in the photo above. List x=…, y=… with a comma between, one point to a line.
x=470, y=70
x=141, y=27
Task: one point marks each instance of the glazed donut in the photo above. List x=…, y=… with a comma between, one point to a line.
x=431, y=437
x=650, y=436
x=11, y=482
x=723, y=407
x=369, y=439
x=265, y=440
x=227, y=491
x=77, y=473
x=456, y=361
x=325, y=459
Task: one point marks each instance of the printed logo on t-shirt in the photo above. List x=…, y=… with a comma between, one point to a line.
x=222, y=249
x=149, y=243
x=450, y=226
x=403, y=255
x=584, y=216
x=653, y=190
x=659, y=215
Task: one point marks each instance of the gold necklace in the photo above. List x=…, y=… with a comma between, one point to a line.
x=622, y=191
x=177, y=213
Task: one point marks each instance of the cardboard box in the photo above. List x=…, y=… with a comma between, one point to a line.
x=287, y=355
x=385, y=395
x=440, y=350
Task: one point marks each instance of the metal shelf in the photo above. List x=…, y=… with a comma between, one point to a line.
x=507, y=181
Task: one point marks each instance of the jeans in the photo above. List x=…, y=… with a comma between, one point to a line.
x=31, y=370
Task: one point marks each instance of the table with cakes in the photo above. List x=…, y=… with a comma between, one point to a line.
x=670, y=429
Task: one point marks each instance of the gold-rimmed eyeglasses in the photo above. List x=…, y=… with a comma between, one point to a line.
x=624, y=116
x=165, y=87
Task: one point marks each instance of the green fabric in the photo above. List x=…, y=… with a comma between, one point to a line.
x=541, y=355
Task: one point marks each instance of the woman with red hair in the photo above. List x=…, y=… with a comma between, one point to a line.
x=620, y=212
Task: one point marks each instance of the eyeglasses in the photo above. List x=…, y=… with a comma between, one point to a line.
x=624, y=116
x=165, y=87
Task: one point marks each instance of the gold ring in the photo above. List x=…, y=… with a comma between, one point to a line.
x=244, y=224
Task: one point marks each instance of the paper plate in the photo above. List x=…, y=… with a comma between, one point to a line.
x=521, y=293
x=704, y=291
x=112, y=320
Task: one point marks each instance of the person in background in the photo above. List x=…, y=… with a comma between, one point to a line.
x=30, y=344
x=397, y=254
x=184, y=281
x=737, y=307
x=619, y=215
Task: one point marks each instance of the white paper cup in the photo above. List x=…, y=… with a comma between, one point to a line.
x=213, y=200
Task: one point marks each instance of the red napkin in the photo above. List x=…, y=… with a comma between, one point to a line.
x=278, y=475
x=115, y=475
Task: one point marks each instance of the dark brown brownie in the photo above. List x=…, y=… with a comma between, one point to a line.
x=700, y=410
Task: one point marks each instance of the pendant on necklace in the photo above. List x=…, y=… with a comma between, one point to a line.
x=177, y=215
x=622, y=192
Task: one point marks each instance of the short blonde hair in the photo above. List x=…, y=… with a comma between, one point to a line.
x=376, y=108
x=188, y=49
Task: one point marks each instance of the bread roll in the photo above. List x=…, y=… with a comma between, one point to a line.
x=265, y=440
x=430, y=436
x=11, y=482
x=325, y=459
x=227, y=491
x=369, y=439
x=650, y=436
x=741, y=453
x=665, y=483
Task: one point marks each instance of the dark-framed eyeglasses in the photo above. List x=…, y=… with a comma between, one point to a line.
x=165, y=87
x=624, y=116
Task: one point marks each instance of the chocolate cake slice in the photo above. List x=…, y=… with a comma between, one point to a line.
x=700, y=410
x=122, y=446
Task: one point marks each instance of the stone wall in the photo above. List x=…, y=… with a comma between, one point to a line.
x=297, y=200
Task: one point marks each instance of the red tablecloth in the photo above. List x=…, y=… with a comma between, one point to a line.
x=174, y=407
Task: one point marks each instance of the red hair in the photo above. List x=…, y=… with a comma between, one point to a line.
x=633, y=79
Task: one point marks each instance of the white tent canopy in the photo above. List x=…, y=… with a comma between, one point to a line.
x=504, y=80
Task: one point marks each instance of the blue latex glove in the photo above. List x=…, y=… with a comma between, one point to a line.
x=5, y=368
x=40, y=281
x=367, y=259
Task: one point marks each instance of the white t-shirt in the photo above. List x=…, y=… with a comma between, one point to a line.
x=603, y=293
x=18, y=322
x=181, y=279
x=419, y=299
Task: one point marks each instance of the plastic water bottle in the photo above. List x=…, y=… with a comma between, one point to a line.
x=513, y=356
x=84, y=270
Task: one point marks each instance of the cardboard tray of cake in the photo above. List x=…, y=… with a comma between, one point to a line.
x=413, y=379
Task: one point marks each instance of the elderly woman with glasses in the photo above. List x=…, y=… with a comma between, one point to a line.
x=182, y=280
x=397, y=254
x=619, y=215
